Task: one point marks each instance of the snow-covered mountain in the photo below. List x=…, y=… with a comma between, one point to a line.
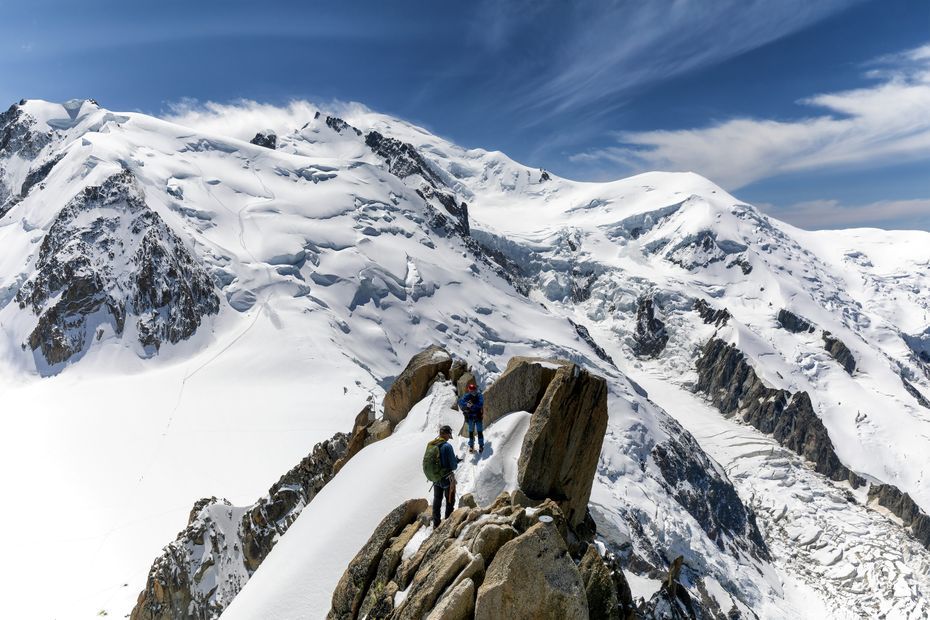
x=186, y=313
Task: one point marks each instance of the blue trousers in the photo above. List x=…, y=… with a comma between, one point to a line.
x=474, y=425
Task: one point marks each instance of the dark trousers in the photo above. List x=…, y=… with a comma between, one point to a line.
x=440, y=492
x=473, y=425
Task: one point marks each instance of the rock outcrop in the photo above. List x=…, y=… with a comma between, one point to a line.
x=563, y=442
x=412, y=384
x=906, y=509
x=402, y=159
x=267, y=139
x=520, y=387
x=506, y=560
x=695, y=483
x=355, y=582
x=37, y=175
x=794, y=323
x=585, y=335
x=913, y=391
x=18, y=137
x=532, y=577
x=108, y=258
x=839, y=351
x=338, y=125
x=197, y=575
x=704, y=248
x=710, y=315
x=733, y=387
x=650, y=336
x=672, y=601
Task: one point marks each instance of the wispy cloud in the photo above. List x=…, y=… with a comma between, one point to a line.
x=888, y=122
x=603, y=50
x=242, y=118
x=819, y=214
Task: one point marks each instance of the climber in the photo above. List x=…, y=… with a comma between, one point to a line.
x=439, y=464
x=472, y=405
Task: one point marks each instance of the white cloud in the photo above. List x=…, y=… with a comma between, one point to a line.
x=242, y=119
x=885, y=123
x=604, y=50
x=819, y=214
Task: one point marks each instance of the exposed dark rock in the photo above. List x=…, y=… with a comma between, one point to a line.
x=906, y=509
x=268, y=140
x=508, y=269
x=626, y=608
x=923, y=402
x=267, y=520
x=649, y=336
x=840, y=352
x=582, y=281
x=585, y=335
x=733, y=387
x=202, y=503
x=18, y=134
x=707, y=495
x=741, y=262
x=672, y=601
x=794, y=323
x=402, y=159
x=711, y=316
x=412, y=384
x=173, y=589
x=338, y=125
x=459, y=211
x=703, y=249
x=562, y=445
x=37, y=175
x=88, y=264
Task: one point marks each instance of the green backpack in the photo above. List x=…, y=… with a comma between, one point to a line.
x=431, y=463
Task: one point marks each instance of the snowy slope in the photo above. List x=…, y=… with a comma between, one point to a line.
x=333, y=264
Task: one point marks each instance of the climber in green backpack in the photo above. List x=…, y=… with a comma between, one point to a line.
x=439, y=464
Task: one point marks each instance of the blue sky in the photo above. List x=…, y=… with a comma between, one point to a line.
x=817, y=111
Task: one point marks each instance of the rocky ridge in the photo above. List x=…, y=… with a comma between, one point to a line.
x=199, y=573
x=210, y=561
x=528, y=554
x=734, y=388
x=109, y=258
